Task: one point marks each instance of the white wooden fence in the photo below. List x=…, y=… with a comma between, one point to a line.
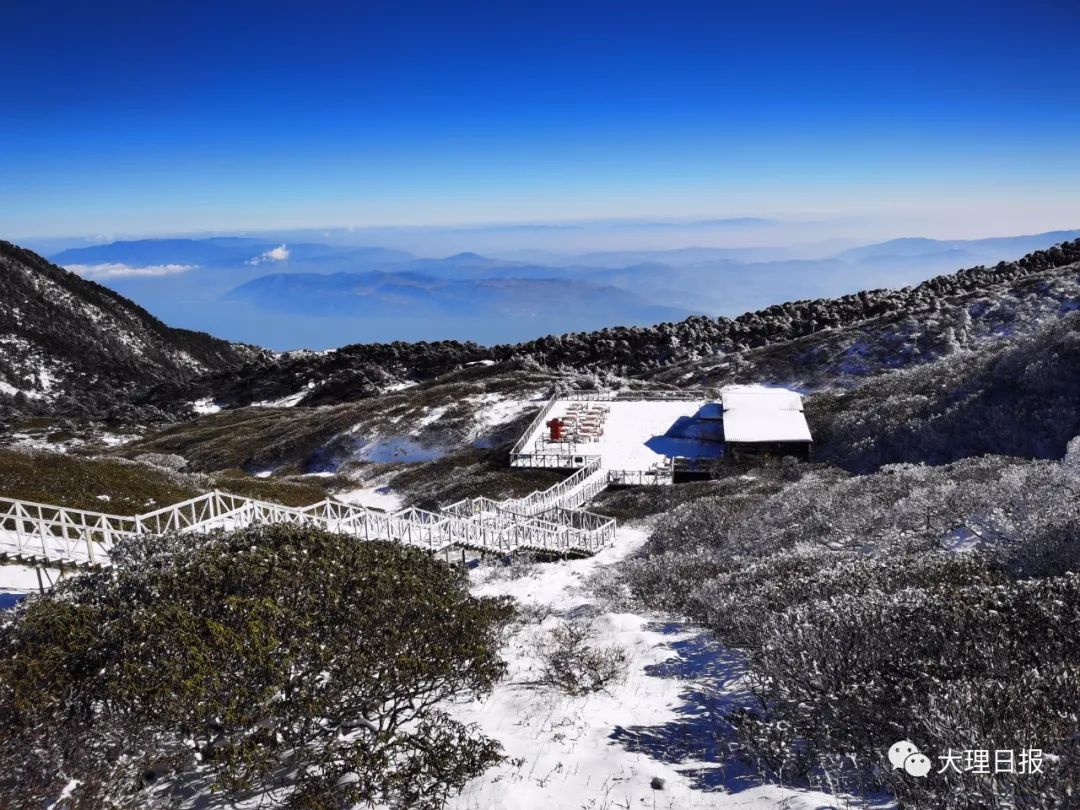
x=44, y=533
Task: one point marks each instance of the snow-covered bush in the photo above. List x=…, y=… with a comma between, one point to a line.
x=933, y=603
x=950, y=666
x=571, y=664
x=276, y=656
x=735, y=603
x=664, y=581
x=167, y=461
x=1014, y=397
x=502, y=569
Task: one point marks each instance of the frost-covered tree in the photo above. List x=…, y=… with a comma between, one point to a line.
x=276, y=657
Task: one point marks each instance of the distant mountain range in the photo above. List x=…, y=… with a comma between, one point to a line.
x=812, y=344
x=74, y=347
x=323, y=295
x=991, y=250
x=413, y=295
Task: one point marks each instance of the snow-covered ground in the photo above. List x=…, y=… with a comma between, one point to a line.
x=46, y=440
x=425, y=439
x=493, y=410
x=19, y=579
x=602, y=751
x=372, y=497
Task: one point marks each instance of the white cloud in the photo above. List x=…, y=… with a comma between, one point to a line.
x=117, y=270
x=278, y=254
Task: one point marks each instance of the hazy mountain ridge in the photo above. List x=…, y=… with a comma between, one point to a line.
x=815, y=343
x=413, y=294
x=229, y=285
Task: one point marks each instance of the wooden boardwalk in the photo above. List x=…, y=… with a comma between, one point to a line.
x=546, y=521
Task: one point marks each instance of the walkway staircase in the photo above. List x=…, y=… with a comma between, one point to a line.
x=545, y=521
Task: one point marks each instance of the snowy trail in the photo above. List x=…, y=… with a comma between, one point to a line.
x=601, y=751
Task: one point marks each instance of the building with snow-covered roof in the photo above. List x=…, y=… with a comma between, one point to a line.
x=663, y=436
x=764, y=421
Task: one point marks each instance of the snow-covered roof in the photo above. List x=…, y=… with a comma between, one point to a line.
x=754, y=413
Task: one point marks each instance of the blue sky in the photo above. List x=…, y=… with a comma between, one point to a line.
x=164, y=117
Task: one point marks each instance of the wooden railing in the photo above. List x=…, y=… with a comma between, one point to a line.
x=533, y=425
x=54, y=534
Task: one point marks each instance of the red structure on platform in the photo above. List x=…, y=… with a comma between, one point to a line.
x=556, y=426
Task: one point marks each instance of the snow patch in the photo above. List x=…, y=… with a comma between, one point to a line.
x=433, y=415
x=289, y=401
x=205, y=406
x=372, y=497
x=400, y=386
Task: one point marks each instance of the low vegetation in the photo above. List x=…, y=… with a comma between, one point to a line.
x=120, y=486
x=314, y=439
x=256, y=439
x=899, y=647
x=281, y=659
x=937, y=604
x=100, y=485
x=571, y=664
x=1016, y=397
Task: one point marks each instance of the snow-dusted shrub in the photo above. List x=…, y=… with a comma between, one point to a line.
x=517, y=566
x=532, y=613
x=949, y=666
x=704, y=522
x=1013, y=397
x=1049, y=551
x=276, y=656
x=571, y=664
x=664, y=581
x=735, y=603
x=167, y=461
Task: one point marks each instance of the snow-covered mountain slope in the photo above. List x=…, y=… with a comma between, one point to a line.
x=70, y=344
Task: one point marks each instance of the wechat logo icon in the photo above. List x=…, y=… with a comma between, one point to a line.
x=906, y=755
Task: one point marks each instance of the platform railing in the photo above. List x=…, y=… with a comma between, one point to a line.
x=536, y=422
